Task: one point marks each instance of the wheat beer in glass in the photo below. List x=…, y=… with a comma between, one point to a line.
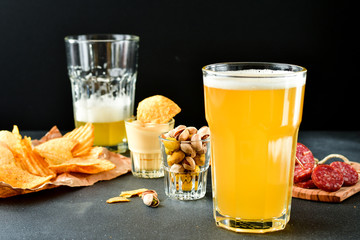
x=254, y=111
x=103, y=70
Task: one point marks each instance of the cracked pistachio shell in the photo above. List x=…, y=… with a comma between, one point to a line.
x=187, y=149
x=196, y=142
x=189, y=164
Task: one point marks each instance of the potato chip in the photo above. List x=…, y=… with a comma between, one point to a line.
x=83, y=165
x=57, y=151
x=53, y=133
x=117, y=199
x=16, y=176
x=32, y=158
x=85, y=136
x=132, y=192
x=157, y=109
x=6, y=156
x=19, y=178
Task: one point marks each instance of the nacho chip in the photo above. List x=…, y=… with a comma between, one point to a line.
x=157, y=109
x=85, y=136
x=57, y=151
x=132, y=192
x=117, y=199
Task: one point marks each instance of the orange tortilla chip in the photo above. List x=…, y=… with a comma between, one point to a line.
x=56, y=151
x=157, y=109
x=85, y=136
x=117, y=199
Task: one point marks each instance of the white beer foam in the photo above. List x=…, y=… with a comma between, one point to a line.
x=252, y=79
x=92, y=110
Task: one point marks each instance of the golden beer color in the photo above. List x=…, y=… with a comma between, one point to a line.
x=254, y=123
x=107, y=133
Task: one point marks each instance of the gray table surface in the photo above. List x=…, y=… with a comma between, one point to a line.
x=82, y=213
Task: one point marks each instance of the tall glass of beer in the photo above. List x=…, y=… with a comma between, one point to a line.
x=254, y=112
x=102, y=70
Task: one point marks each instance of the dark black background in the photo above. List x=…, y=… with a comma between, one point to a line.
x=177, y=38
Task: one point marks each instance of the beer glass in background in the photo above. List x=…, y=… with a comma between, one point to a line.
x=102, y=70
x=254, y=111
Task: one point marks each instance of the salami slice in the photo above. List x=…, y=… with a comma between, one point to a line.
x=309, y=184
x=305, y=156
x=327, y=178
x=350, y=175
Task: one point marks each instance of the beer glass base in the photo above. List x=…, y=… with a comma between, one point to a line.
x=119, y=148
x=251, y=226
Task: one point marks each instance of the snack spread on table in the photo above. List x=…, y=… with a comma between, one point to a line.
x=27, y=166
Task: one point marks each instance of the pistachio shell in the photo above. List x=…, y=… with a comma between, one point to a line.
x=177, y=131
x=189, y=164
x=177, y=168
x=184, y=135
x=204, y=132
x=192, y=130
x=187, y=149
x=196, y=142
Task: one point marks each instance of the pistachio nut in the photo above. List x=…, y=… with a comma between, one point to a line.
x=196, y=142
x=192, y=130
x=187, y=149
x=184, y=135
x=151, y=200
x=175, y=157
x=177, y=131
x=171, y=145
x=177, y=168
x=204, y=132
x=200, y=159
x=189, y=164
x=203, y=150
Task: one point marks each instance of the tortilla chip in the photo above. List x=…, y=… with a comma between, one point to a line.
x=157, y=109
x=56, y=151
x=85, y=136
x=117, y=199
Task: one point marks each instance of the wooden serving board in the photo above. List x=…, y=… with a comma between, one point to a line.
x=323, y=196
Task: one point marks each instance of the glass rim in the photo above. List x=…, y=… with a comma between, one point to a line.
x=101, y=38
x=294, y=69
x=127, y=121
x=206, y=140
